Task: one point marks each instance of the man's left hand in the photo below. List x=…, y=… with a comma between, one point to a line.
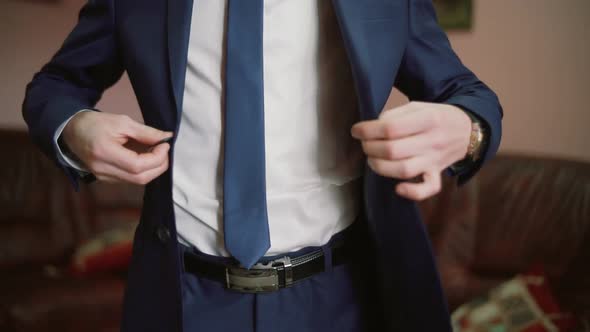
x=415, y=139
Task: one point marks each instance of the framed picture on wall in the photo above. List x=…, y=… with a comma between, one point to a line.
x=454, y=14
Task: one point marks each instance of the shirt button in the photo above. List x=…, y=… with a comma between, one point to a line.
x=163, y=234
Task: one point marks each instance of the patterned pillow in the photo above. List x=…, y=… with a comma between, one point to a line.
x=523, y=304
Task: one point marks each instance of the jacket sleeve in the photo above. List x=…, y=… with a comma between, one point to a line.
x=432, y=72
x=74, y=79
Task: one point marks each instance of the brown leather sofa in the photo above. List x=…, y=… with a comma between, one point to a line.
x=42, y=221
x=517, y=212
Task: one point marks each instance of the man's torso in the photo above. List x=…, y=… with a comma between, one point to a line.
x=309, y=107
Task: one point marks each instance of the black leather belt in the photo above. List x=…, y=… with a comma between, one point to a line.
x=268, y=277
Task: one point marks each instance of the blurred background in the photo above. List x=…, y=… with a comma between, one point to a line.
x=513, y=245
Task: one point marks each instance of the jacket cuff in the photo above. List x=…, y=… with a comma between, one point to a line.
x=484, y=112
x=64, y=156
x=55, y=113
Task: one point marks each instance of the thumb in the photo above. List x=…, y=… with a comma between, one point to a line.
x=398, y=110
x=146, y=134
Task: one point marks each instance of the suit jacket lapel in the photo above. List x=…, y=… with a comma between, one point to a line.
x=374, y=33
x=178, y=26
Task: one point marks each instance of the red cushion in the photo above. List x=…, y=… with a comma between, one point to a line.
x=108, y=251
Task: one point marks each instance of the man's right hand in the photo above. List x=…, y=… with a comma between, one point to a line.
x=99, y=140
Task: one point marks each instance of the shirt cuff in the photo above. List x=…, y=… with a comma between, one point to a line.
x=62, y=156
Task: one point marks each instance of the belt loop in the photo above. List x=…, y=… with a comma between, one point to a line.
x=327, y=250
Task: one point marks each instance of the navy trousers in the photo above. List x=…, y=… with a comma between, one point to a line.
x=342, y=298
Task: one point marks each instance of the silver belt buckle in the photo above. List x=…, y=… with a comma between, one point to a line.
x=261, y=278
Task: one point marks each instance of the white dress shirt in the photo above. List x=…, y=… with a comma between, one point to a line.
x=313, y=165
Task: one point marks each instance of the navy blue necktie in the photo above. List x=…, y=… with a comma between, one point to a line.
x=245, y=217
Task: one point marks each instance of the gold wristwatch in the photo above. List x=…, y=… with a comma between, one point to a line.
x=478, y=135
x=477, y=143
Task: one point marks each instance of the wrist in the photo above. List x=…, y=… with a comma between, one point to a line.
x=478, y=137
x=69, y=130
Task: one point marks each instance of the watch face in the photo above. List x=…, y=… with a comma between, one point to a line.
x=477, y=146
x=473, y=139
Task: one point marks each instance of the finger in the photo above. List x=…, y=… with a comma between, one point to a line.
x=150, y=175
x=402, y=148
x=369, y=130
x=136, y=163
x=146, y=134
x=395, y=125
x=409, y=107
x=420, y=191
x=401, y=169
x=411, y=121
x=165, y=140
x=110, y=172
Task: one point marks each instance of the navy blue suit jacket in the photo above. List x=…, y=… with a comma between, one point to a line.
x=388, y=42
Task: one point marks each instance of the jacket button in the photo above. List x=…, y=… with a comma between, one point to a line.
x=163, y=234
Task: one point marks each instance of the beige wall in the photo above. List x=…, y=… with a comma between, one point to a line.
x=30, y=33
x=534, y=53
